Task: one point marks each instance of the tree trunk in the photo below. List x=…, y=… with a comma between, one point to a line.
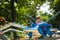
x=12, y=10
x=13, y=17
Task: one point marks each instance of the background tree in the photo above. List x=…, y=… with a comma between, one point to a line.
x=55, y=6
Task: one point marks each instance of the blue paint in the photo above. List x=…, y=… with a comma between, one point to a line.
x=33, y=25
x=30, y=34
x=44, y=29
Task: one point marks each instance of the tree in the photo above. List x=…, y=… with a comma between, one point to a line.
x=12, y=10
x=56, y=6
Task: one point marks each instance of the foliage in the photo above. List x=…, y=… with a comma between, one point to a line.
x=55, y=5
x=22, y=7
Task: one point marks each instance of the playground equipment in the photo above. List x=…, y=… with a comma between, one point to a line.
x=37, y=29
x=44, y=29
x=8, y=27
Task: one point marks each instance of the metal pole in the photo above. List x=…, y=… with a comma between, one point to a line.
x=53, y=16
